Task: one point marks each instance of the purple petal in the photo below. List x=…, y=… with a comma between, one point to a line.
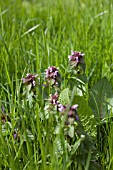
x=74, y=107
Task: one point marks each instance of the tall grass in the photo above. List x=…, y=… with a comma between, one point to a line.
x=37, y=34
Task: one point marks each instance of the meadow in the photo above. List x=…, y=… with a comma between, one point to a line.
x=56, y=84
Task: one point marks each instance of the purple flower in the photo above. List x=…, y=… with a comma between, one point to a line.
x=52, y=75
x=73, y=112
x=61, y=108
x=15, y=135
x=76, y=58
x=30, y=79
x=3, y=109
x=54, y=99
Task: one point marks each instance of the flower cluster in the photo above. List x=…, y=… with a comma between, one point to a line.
x=70, y=111
x=30, y=79
x=54, y=99
x=52, y=75
x=76, y=58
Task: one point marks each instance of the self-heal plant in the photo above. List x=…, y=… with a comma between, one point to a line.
x=51, y=104
x=77, y=70
x=54, y=105
x=76, y=58
x=54, y=98
x=29, y=91
x=52, y=75
x=30, y=79
x=71, y=112
x=61, y=107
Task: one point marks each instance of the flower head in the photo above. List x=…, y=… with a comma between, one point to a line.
x=52, y=75
x=76, y=58
x=29, y=79
x=54, y=99
x=16, y=134
x=61, y=108
x=73, y=112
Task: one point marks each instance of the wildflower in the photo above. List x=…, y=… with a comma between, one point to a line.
x=16, y=134
x=54, y=99
x=76, y=58
x=30, y=79
x=73, y=112
x=52, y=75
x=61, y=108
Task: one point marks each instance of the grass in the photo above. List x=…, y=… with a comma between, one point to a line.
x=37, y=34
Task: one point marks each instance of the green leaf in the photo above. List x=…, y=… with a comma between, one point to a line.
x=99, y=95
x=85, y=114
x=71, y=131
x=76, y=145
x=64, y=97
x=30, y=98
